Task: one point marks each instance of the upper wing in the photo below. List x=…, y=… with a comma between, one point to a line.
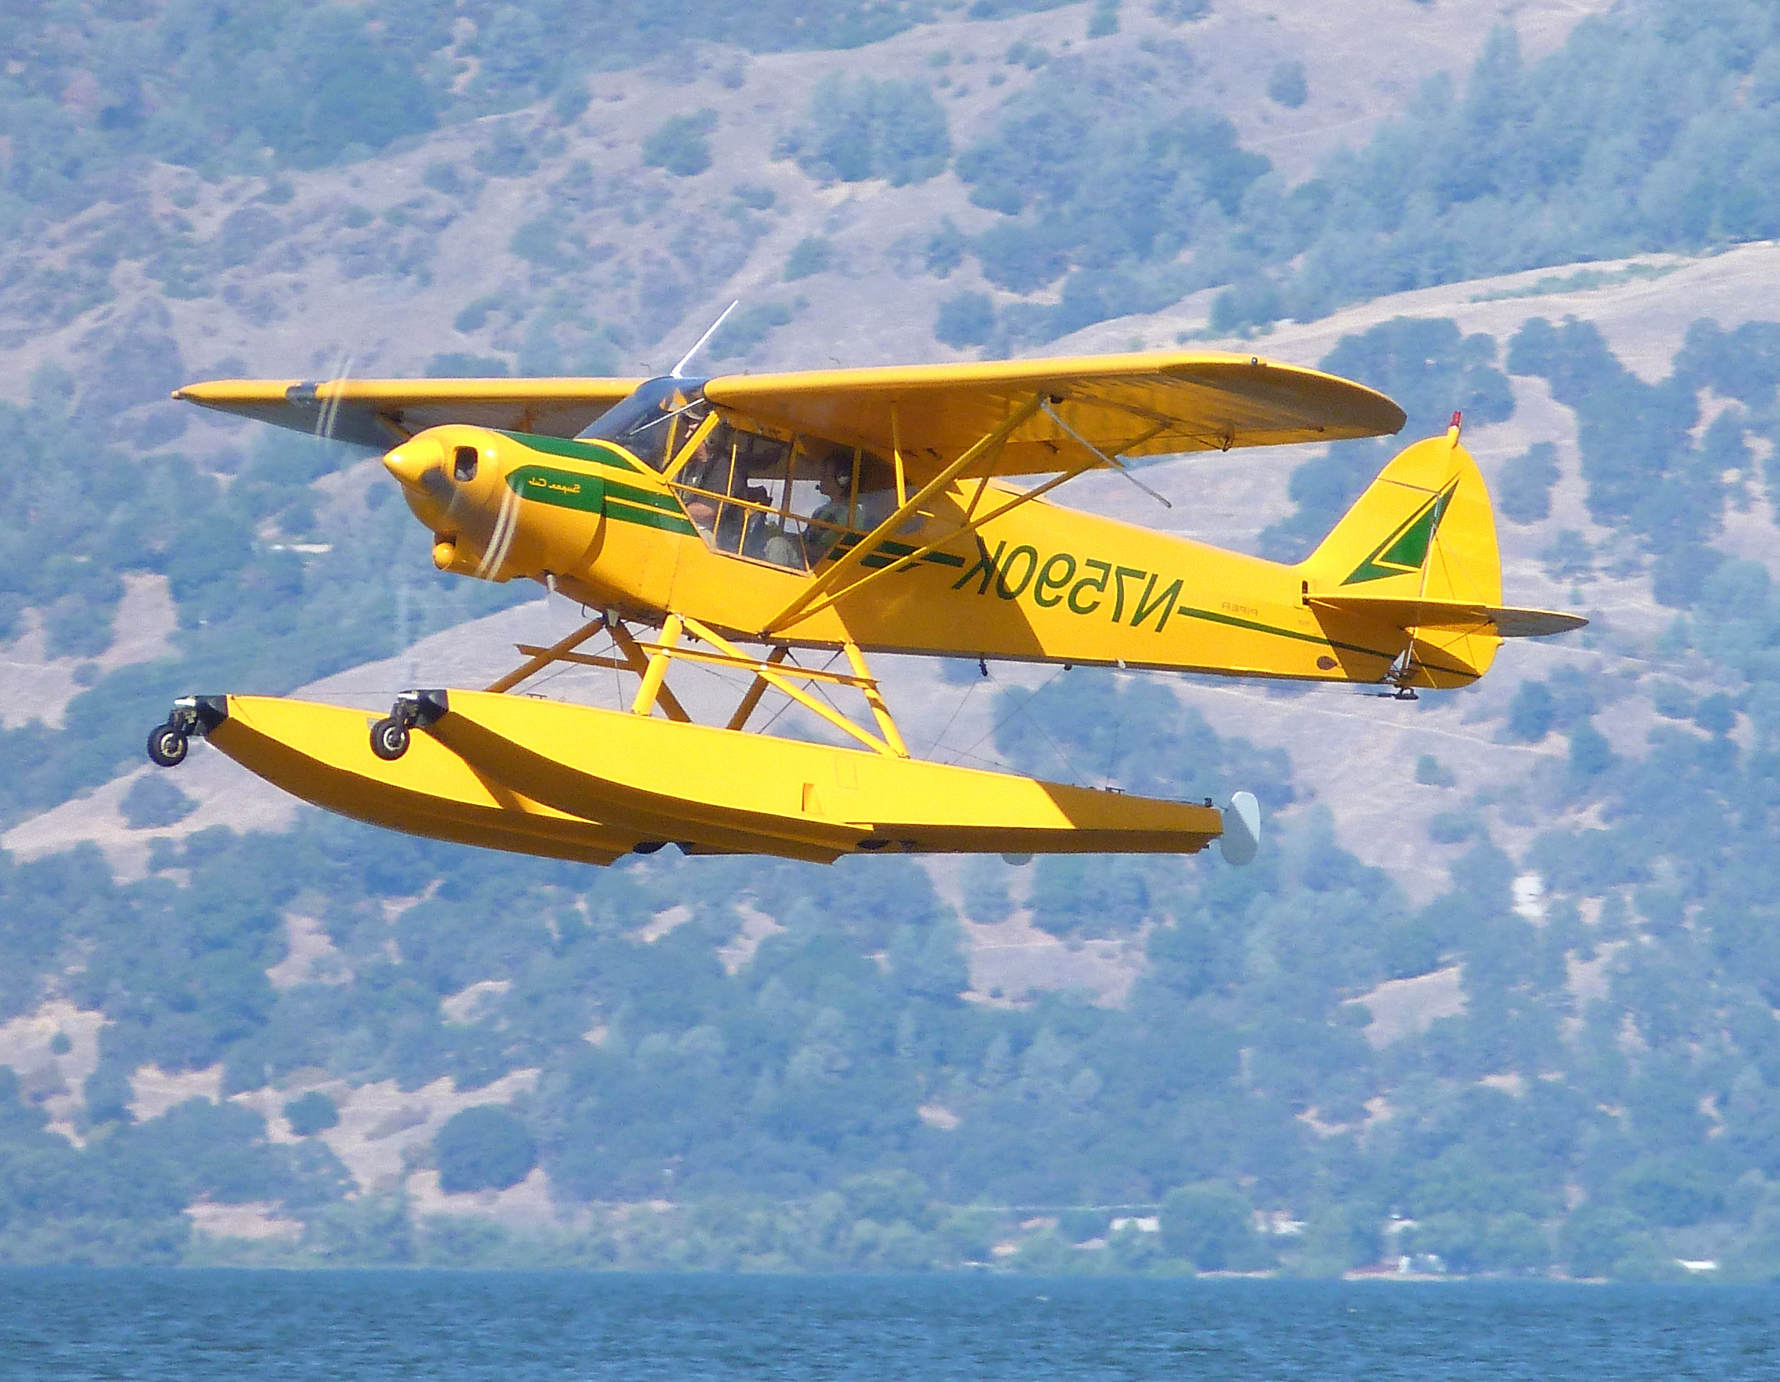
x=382, y=412
x=1131, y=405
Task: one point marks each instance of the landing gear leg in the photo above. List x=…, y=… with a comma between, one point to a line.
x=1401, y=673
x=169, y=743
x=391, y=735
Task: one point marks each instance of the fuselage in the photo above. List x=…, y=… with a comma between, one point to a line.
x=1040, y=583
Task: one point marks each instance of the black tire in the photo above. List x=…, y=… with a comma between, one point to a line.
x=389, y=739
x=167, y=746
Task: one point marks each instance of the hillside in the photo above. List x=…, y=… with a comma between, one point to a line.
x=1500, y=994
x=542, y=240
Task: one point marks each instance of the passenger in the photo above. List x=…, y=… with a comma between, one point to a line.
x=875, y=505
x=702, y=512
x=780, y=548
x=743, y=530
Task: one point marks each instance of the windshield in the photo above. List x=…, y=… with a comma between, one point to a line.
x=646, y=423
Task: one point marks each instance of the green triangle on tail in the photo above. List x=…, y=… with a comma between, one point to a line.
x=1406, y=550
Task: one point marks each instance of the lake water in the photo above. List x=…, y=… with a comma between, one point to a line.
x=517, y=1327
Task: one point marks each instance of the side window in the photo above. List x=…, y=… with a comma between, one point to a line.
x=838, y=492
x=877, y=491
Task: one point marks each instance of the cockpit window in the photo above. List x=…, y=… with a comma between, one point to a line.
x=654, y=420
x=784, y=502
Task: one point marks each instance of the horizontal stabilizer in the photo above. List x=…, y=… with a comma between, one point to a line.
x=1451, y=614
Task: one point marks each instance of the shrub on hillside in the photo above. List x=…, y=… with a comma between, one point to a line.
x=312, y=1113
x=810, y=255
x=748, y=328
x=153, y=802
x=1531, y=713
x=965, y=319
x=680, y=145
x=483, y=1147
x=1210, y=1226
x=864, y=129
x=1524, y=494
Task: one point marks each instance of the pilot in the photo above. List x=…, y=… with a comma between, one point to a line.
x=698, y=464
x=835, y=485
x=695, y=474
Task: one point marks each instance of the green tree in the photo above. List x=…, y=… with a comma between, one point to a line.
x=928, y=961
x=1523, y=494
x=154, y=801
x=810, y=255
x=1530, y=713
x=862, y=129
x=965, y=319
x=1339, y=1238
x=311, y=1113
x=483, y=1147
x=680, y=144
x=1045, y=1253
x=1209, y=1225
x=984, y=886
x=1594, y=1237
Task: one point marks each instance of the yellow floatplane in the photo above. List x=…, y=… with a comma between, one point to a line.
x=757, y=522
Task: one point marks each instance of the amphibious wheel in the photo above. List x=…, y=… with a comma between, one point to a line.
x=167, y=746
x=389, y=739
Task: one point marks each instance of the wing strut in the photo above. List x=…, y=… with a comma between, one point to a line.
x=969, y=527
x=635, y=660
x=824, y=588
x=650, y=663
x=757, y=689
x=540, y=658
x=890, y=745
x=1112, y=461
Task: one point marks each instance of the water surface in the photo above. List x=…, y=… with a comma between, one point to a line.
x=73, y=1325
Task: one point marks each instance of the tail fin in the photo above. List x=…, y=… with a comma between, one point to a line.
x=1423, y=531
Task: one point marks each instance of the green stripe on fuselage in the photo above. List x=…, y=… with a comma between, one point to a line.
x=621, y=511
x=1232, y=621
x=596, y=452
x=883, y=553
x=562, y=489
x=644, y=498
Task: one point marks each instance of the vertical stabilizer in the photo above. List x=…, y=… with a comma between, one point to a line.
x=1423, y=530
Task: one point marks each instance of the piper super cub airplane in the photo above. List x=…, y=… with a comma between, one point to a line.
x=748, y=521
